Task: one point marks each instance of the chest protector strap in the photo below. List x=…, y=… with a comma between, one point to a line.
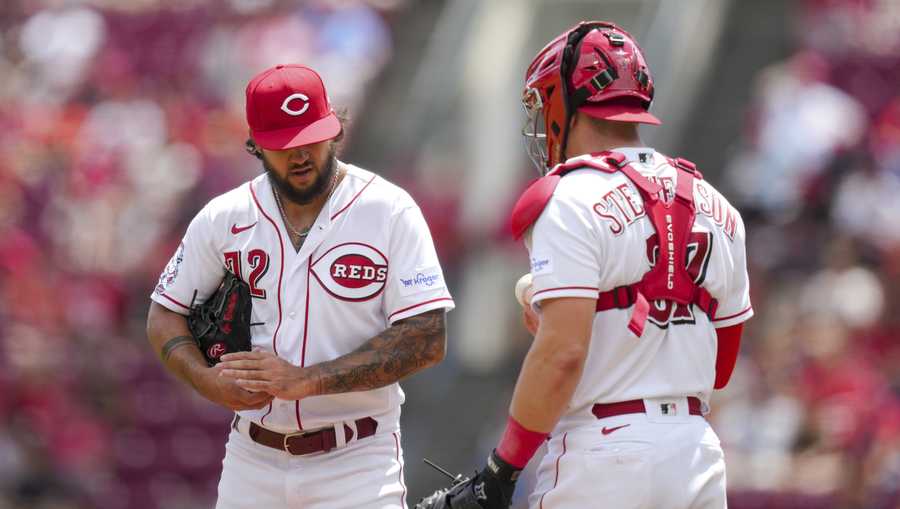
x=668, y=279
x=673, y=221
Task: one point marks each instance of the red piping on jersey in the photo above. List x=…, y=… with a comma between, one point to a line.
x=306, y=318
x=400, y=462
x=556, y=481
x=175, y=301
x=305, y=329
x=721, y=318
x=336, y=214
x=567, y=288
x=280, y=267
x=269, y=411
x=280, y=275
x=417, y=305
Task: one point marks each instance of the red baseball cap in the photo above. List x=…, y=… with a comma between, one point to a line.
x=624, y=109
x=287, y=106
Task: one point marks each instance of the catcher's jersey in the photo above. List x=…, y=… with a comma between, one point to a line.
x=594, y=236
x=369, y=261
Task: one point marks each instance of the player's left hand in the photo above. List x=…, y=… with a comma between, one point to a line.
x=492, y=488
x=261, y=371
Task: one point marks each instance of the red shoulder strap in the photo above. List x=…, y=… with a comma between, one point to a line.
x=532, y=202
x=684, y=164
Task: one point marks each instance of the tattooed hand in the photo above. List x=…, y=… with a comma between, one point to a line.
x=265, y=372
x=404, y=348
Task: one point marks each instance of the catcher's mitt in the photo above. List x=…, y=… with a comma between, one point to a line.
x=492, y=488
x=221, y=324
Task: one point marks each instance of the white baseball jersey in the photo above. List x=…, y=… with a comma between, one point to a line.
x=368, y=261
x=594, y=236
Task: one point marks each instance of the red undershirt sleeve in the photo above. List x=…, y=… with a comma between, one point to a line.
x=729, y=339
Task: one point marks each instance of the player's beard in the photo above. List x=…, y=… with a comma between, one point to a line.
x=308, y=194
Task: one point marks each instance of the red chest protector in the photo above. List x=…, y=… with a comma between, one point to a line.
x=673, y=221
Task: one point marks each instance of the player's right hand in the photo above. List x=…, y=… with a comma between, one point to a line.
x=225, y=391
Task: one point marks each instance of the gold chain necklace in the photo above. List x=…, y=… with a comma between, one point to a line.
x=287, y=222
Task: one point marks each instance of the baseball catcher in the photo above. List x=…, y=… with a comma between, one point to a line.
x=637, y=298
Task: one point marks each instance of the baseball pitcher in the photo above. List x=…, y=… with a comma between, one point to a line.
x=333, y=272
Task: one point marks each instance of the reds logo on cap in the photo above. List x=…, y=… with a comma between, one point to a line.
x=352, y=271
x=287, y=107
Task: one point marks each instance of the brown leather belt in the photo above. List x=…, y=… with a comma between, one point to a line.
x=636, y=406
x=308, y=442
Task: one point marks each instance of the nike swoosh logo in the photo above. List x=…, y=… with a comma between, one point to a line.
x=235, y=230
x=607, y=431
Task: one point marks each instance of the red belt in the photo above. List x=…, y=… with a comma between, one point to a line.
x=308, y=442
x=636, y=406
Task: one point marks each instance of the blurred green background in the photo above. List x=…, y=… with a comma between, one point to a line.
x=119, y=119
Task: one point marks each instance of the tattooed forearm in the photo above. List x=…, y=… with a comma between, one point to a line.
x=172, y=344
x=401, y=350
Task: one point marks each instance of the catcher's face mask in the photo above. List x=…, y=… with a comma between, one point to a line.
x=533, y=130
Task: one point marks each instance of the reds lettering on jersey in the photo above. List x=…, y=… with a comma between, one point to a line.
x=369, y=261
x=594, y=235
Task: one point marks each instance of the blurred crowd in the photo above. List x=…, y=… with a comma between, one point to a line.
x=114, y=135
x=118, y=119
x=812, y=417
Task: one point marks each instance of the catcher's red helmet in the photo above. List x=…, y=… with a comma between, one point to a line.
x=594, y=67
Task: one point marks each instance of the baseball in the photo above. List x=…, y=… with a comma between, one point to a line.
x=523, y=290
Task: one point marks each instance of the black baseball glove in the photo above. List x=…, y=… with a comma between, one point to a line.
x=222, y=323
x=492, y=488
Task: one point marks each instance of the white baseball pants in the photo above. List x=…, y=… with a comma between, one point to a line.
x=643, y=461
x=367, y=474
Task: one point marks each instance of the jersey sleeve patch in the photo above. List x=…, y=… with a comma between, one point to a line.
x=421, y=280
x=170, y=273
x=541, y=264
